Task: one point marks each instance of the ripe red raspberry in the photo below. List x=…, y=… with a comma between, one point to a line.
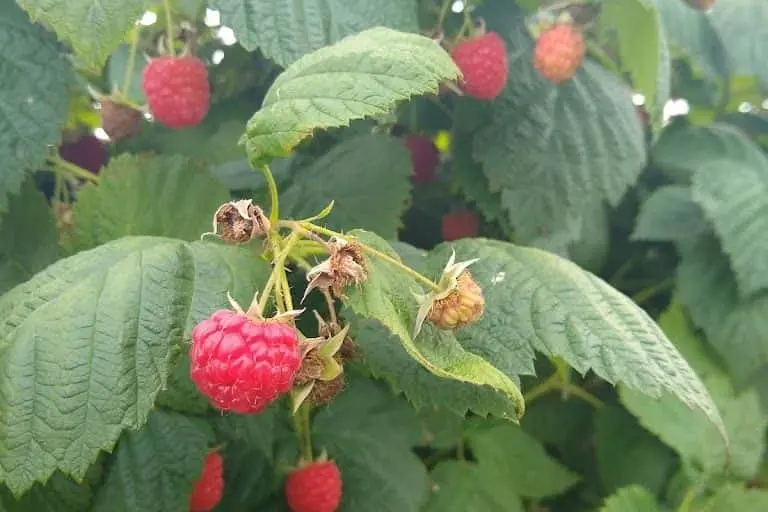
x=209, y=487
x=243, y=364
x=558, y=53
x=177, y=90
x=425, y=158
x=462, y=224
x=314, y=488
x=484, y=63
x=87, y=152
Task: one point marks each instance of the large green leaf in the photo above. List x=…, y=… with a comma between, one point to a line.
x=461, y=485
x=361, y=76
x=520, y=459
x=144, y=195
x=154, y=468
x=536, y=300
x=734, y=497
x=285, y=30
x=631, y=499
x=33, y=97
x=554, y=152
x=59, y=494
x=85, y=345
x=367, y=176
x=387, y=297
x=27, y=237
x=370, y=434
x=670, y=215
x=642, y=48
x=94, y=28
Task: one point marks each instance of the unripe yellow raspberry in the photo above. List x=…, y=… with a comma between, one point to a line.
x=462, y=306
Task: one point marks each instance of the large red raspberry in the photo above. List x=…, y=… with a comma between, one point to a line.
x=425, y=158
x=484, y=63
x=87, y=152
x=177, y=90
x=460, y=224
x=241, y=364
x=314, y=488
x=209, y=487
x=558, y=53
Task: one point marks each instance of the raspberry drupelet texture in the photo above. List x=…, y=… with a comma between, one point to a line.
x=484, y=63
x=314, y=488
x=463, y=306
x=558, y=53
x=241, y=364
x=209, y=487
x=177, y=90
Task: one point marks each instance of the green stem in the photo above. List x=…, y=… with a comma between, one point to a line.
x=653, y=290
x=443, y=13
x=542, y=388
x=169, y=27
x=307, y=430
x=60, y=164
x=278, y=267
x=685, y=505
x=553, y=383
x=298, y=428
x=274, y=210
x=460, y=450
x=577, y=391
x=131, y=60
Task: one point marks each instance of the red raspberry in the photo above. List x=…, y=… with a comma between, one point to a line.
x=87, y=152
x=558, y=53
x=425, y=158
x=484, y=63
x=241, y=364
x=177, y=90
x=314, y=488
x=461, y=224
x=209, y=487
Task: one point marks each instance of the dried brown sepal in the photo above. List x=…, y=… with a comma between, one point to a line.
x=239, y=222
x=462, y=306
x=311, y=368
x=344, y=266
x=348, y=351
x=324, y=392
x=120, y=121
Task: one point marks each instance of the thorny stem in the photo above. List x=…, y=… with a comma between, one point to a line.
x=331, y=306
x=131, y=59
x=274, y=208
x=373, y=252
x=169, y=27
x=59, y=163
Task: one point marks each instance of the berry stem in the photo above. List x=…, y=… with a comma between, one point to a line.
x=374, y=252
x=169, y=28
x=554, y=383
x=443, y=13
x=274, y=208
x=307, y=431
x=131, y=59
x=59, y=164
x=278, y=267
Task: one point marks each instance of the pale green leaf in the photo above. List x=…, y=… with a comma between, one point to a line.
x=522, y=461
x=33, y=97
x=642, y=48
x=145, y=195
x=466, y=486
x=536, y=300
x=27, y=237
x=117, y=67
x=554, y=152
x=285, y=30
x=631, y=499
x=94, y=28
x=367, y=177
x=736, y=498
x=85, y=345
x=670, y=215
x=370, y=435
x=360, y=76
x=387, y=297
x=154, y=468
x=256, y=431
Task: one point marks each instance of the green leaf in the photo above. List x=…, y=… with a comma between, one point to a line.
x=34, y=95
x=94, y=28
x=522, y=461
x=368, y=177
x=85, y=345
x=460, y=485
x=631, y=499
x=28, y=241
x=59, y=494
x=116, y=69
x=256, y=431
x=670, y=215
x=733, y=193
x=370, y=434
x=361, y=76
x=536, y=300
x=470, y=178
x=734, y=497
x=143, y=195
x=180, y=393
x=643, y=51
x=285, y=30
x=387, y=297
x=555, y=152
x=627, y=454
x=154, y=468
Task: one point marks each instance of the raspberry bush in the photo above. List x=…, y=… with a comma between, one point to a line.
x=413, y=255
